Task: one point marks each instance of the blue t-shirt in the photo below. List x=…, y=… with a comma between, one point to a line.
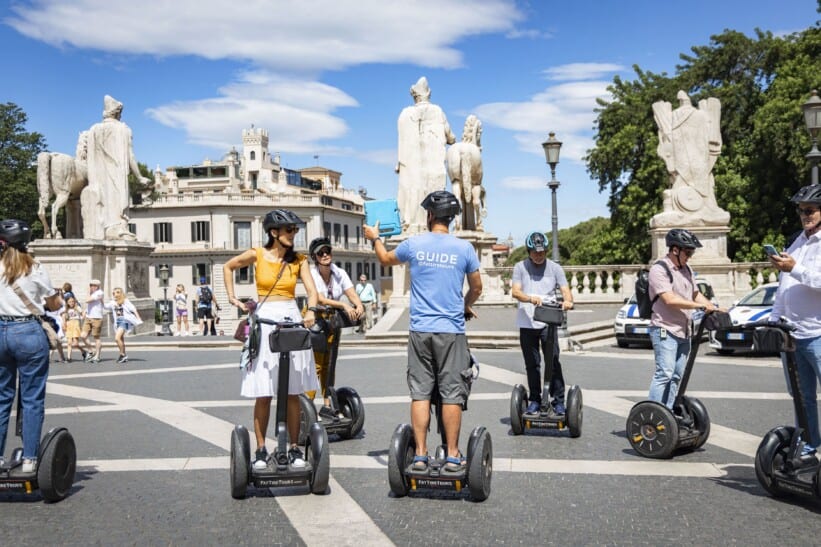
x=438, y=265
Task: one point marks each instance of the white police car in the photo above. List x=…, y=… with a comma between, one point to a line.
x=632, y=329
x=755, y=306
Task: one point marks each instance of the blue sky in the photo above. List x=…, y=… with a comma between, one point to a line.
x=328, y=78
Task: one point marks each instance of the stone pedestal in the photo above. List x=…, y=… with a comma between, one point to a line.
x=492, y=283
x=713, y=239
x=124, y=264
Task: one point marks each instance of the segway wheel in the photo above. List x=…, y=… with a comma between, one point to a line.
x=575, y=411
x=652, y=430
x=701, y=420
x=400, y=454
x=480, y=465
x=320, y=459
x=307, y=417
x=351, y=406
x=518, y=405
x=770, y=457
x=58, y=462
x=240, y=462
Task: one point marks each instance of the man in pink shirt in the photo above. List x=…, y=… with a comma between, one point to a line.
x=675, y=295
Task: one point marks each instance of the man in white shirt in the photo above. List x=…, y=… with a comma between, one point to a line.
x=368, y=297
x=798, y=300
x=93, y=322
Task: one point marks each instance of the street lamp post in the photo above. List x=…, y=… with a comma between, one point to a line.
x=166, y=330
x=812, y=117
x=552, y=146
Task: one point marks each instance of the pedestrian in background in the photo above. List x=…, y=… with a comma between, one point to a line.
x=367, y=295
x=93, y=322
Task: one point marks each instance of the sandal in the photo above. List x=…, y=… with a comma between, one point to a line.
x=420, y=463
x=455, y=465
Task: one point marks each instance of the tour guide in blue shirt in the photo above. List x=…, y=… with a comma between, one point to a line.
x=437, y=347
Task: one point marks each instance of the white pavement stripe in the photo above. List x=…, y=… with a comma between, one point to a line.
x=334, y=519
x=607, y=401
x=341, y=512
x=764, y=362
x=636, y=468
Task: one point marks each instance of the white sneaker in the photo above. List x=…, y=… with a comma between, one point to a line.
x=295, y=457
x=29, y=466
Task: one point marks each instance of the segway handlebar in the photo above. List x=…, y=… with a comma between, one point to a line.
x=780, y=324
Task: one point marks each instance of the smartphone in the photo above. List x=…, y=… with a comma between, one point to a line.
x=770, y=250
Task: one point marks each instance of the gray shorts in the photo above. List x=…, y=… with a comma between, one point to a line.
x=438, y=355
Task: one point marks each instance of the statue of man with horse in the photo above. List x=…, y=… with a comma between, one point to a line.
x=63, y=177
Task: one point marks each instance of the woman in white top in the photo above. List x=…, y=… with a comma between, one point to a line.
x=181, y=310
x=126, y=318
x=23, y=344
x=331, y=283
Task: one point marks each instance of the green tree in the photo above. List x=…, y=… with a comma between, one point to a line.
x=18, y=171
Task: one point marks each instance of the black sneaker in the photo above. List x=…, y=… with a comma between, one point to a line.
x=261, y=458
x=295, y=457
x=326, y=413
x=122, y=359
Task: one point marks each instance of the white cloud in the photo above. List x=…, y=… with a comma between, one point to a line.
x=532, y=34
x=524, y=183
x=302, y=36
x=582, y=71
x=566, y=108
x=296, y=113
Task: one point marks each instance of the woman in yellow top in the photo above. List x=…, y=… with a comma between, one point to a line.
x=276, y=294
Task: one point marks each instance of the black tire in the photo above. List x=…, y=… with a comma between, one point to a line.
x=518, y=405
x=725, y=351
x=351, y=406
x=701, y=420
x=770, y=456
x=652, y=430
x=480, y=465
x=319, y=457
x=58, y=462
x=307, y=417
x=240, y=462
x=575, y=411
x=400, y=454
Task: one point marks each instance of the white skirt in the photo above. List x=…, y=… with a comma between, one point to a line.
x=261, y=379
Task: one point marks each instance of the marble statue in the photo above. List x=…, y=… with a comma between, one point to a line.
x=464, y=160
x=689, y=144
x=110, y=159
x=64, y=177
x=424, y=134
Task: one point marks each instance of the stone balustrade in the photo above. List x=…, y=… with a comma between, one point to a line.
x=612, y=283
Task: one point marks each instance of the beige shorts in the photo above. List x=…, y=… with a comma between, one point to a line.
x=93, y=326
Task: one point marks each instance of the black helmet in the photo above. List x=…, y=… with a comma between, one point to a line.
x=808, y=194
x=16, y=233
x=280, y=217
x=536, y=241
x=317, y=244
x=683, y=239
x=442, y=204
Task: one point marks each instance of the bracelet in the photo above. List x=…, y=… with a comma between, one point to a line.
x=373, y=242
x=313, y=309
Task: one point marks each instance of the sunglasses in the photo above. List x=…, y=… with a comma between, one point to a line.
x=688, y=252
x=323, y=252
x=806, y=211
x=289, y=229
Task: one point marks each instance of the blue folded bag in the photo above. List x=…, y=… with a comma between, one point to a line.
x=386, y=211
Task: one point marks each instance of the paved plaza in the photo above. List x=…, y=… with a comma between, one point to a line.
x=152, y=441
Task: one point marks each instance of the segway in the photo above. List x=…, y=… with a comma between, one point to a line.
x=476, y=475
x=546, y=417
x=654, y=431
x=779, y=465
x=56, y=464
x=284, y=338
x=344, y=400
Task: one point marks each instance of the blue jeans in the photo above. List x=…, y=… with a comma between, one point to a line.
x=671, y=357
x=808, y=363
x=23, y=349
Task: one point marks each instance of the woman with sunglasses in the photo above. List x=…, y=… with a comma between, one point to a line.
x=278, y=267
x=331, y=283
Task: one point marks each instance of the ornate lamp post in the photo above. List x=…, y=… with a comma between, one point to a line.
x=166, y=330
x=552, y=146
x=812, y=117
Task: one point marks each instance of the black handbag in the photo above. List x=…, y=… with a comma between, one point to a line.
x=548, y=314
x=772, y=340
x=286, y=338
